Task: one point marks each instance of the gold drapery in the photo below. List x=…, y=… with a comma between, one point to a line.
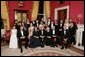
x=35, y=10
x=47, y=9
x=5, y=14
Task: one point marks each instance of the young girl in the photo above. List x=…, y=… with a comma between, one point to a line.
x=13, y=39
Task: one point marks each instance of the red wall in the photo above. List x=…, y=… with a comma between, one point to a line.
x=75, y=7
x=55, y=4
x=14, y=5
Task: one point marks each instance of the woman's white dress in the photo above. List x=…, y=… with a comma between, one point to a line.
x=13, y=39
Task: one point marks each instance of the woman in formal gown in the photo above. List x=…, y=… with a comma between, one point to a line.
x=48, y=40
x=13, y=39
x=34, y=41
x=30, y=32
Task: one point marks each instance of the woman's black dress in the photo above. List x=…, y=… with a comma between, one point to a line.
x=34, y=41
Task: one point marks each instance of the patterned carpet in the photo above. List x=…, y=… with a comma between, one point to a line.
x=46, y=51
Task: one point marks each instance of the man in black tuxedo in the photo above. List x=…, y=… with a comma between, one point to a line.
x=56, y=27
x=65, y=37
x=18, y=25
x=27, y=25
x=54, y=37
x=57, y=32
x=37, y=23
x=60, y=24
x=34, y=23
x=48, y=40
x=42, y=36
x=22, y=37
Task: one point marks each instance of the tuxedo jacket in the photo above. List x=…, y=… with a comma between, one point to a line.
x=48, y=33
x=40, y=32
x=51, y=24
x=36, y=24
x=65, y=33
x=26, y=27
x=17, y=27
x=52, y=32
x=56, y=27
x=33, y=23
x=19, y=34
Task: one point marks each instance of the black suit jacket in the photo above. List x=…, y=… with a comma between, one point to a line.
x=36, y=24
x=54, y=32
x=48, y=33
x=40, y=32
x=57, y=29
x=65, y=35
x=20, y=35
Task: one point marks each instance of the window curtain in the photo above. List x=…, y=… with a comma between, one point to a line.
x=47, y=9
x=5, y=14
x=35, y=10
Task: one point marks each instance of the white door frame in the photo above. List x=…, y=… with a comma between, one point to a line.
x=61, y=8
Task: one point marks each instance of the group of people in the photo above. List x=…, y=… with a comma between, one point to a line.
x=43, y=33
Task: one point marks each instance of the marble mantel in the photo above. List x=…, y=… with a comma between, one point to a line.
x=79, y=36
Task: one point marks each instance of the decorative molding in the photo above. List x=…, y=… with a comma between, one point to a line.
x=20, y=3
x=61, y=8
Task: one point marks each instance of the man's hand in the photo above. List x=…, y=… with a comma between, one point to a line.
x=48, y=36
x=42, y=36
x=36, y=36
x=54, y=35
x=23, y=37
x=65, y=39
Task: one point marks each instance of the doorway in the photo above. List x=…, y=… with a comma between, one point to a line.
x=61, y=13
